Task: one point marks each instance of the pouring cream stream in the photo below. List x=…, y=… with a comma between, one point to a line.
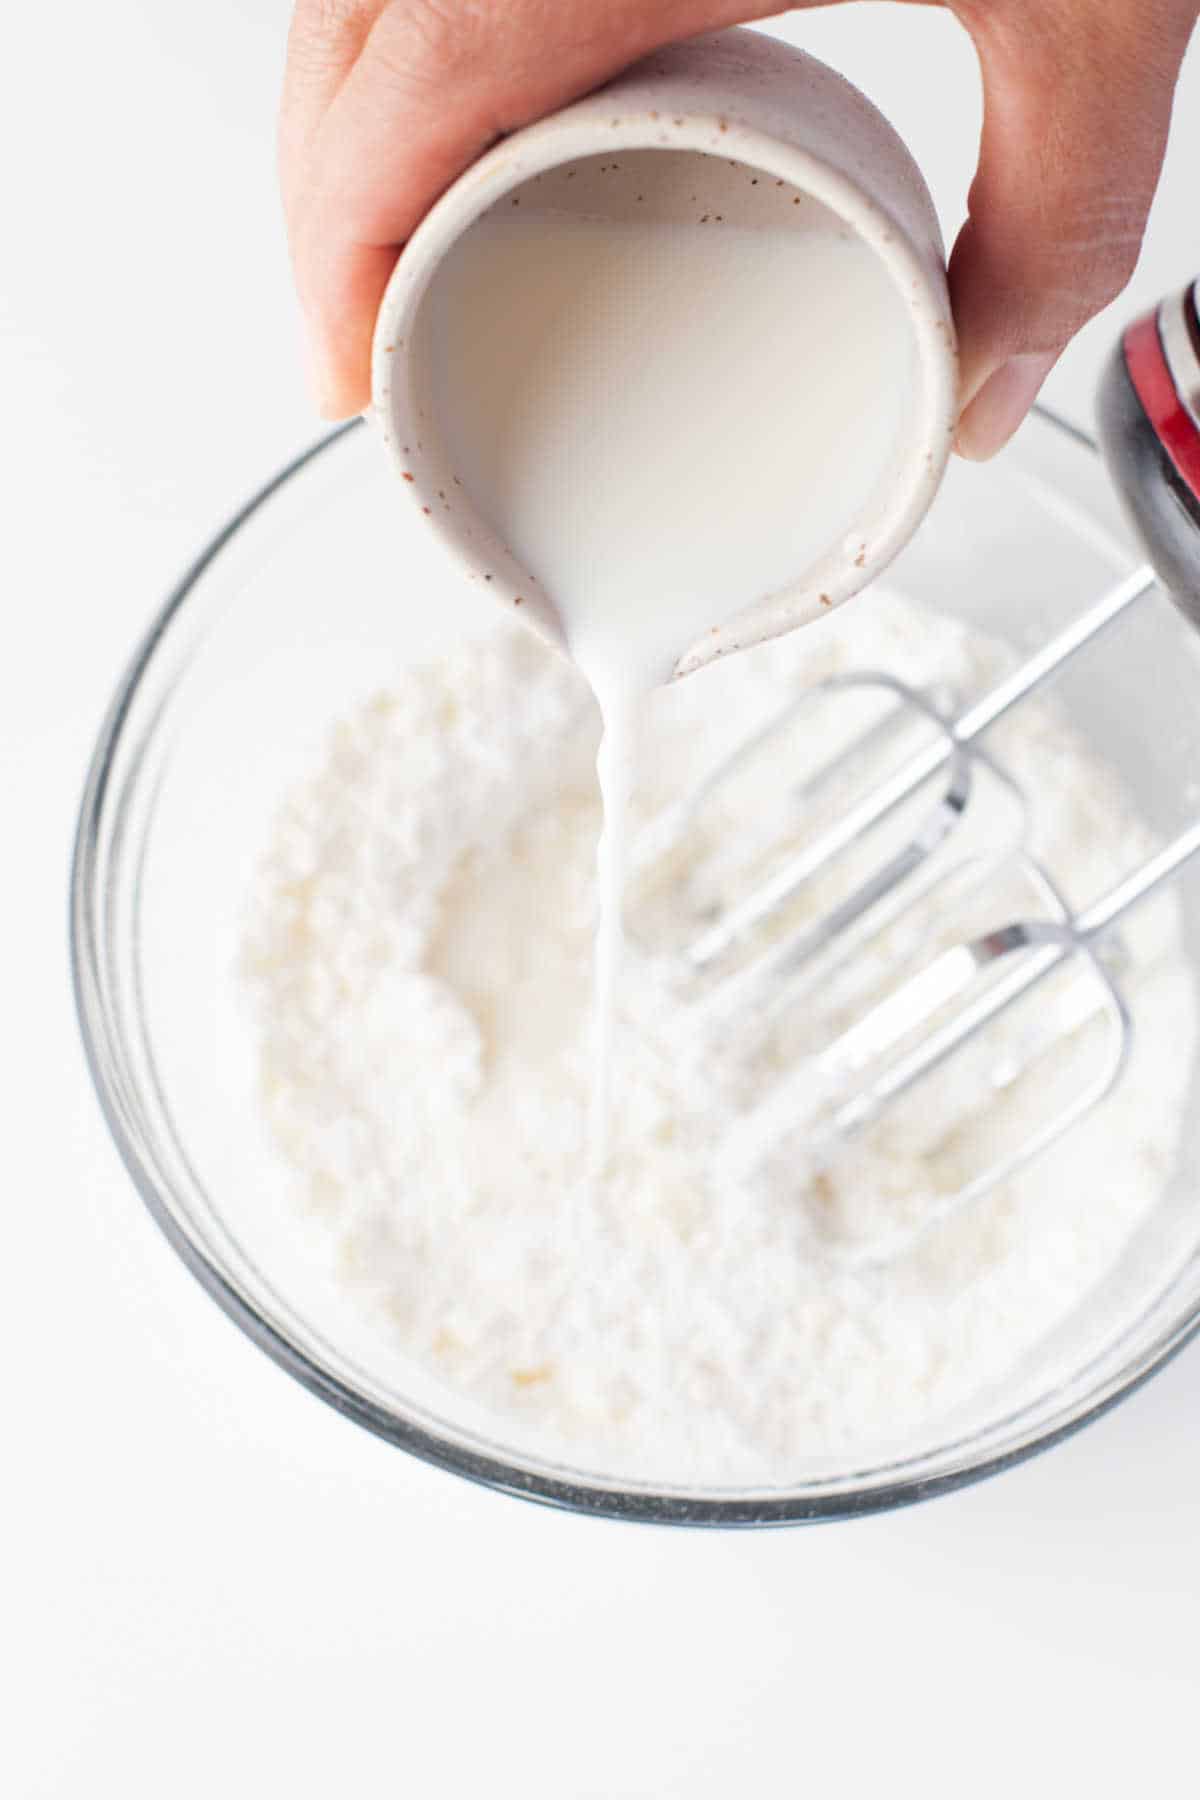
x=661, y=421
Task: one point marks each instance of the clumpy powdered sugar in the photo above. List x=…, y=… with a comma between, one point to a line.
x=418, y=961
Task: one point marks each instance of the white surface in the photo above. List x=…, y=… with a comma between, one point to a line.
x=213, y=1584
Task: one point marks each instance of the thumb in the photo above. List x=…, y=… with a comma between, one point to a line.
x=1077, y=105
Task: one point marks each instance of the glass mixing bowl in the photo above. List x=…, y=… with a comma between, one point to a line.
x=295, y=613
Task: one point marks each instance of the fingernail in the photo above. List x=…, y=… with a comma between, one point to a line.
x=322, y=393
x=319, y=385
x=1000, y=405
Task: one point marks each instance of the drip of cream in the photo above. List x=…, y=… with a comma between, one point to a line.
x=616, y=765
x=663, y=421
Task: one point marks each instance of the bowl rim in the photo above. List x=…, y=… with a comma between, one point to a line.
x=645, y=1504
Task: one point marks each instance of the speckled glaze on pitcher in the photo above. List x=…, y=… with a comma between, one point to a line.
x=746, y=103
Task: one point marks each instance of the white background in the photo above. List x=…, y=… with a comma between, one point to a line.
x=214, y=1584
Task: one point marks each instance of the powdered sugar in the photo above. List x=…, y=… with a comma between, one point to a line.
x=418, y=961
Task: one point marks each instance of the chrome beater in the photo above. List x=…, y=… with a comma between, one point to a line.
x=892, y=862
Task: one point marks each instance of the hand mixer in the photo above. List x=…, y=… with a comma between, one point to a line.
x=895, y=1031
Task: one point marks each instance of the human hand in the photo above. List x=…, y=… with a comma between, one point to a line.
x=387, y=101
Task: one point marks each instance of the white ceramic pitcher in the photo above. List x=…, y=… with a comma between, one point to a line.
x=744, y=102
